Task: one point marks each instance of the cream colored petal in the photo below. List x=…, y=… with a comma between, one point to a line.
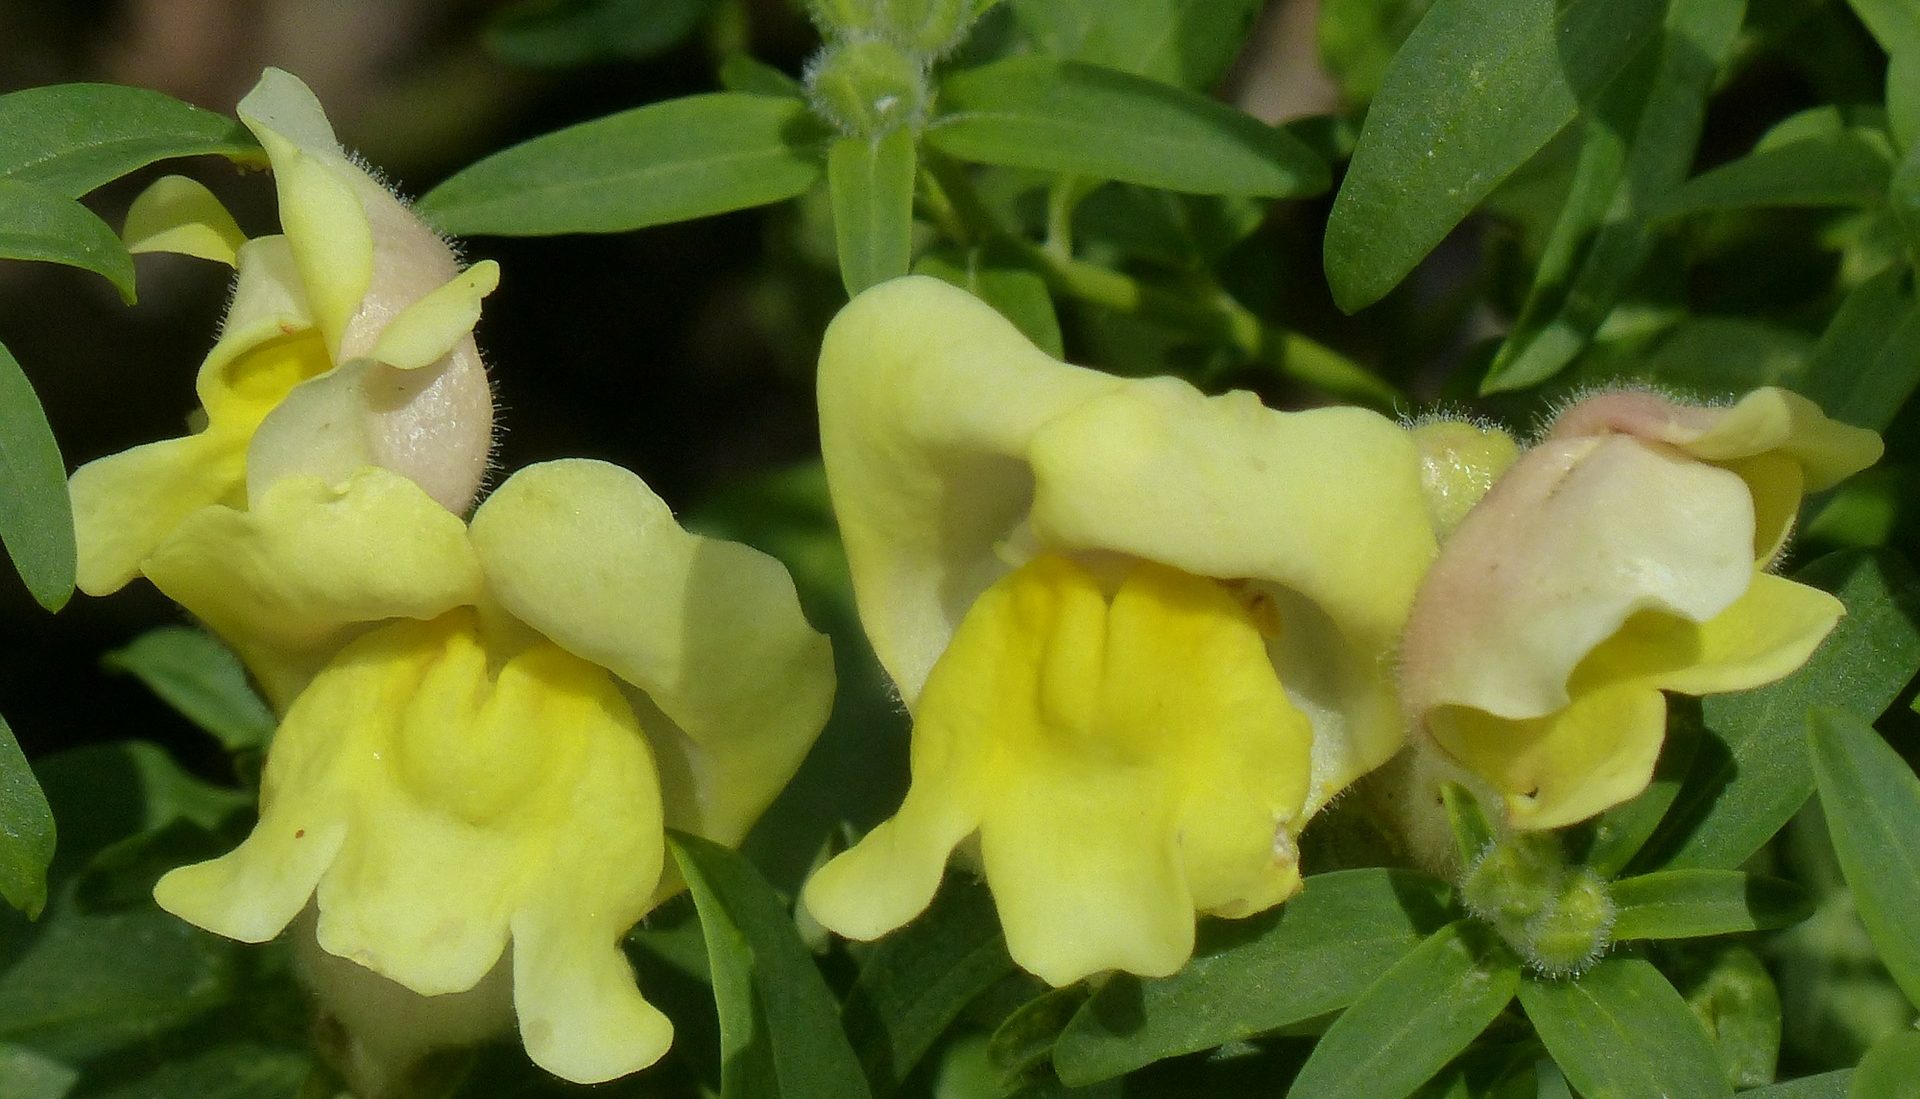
x=177, y=214
x=711, y=631
x=1766, y=634
x=319, y=207
x=581, y=1016
x=1553, y=771
x=1327, y=506
x=928, y=402
x=1580, y=534
x=126, y=504
x=1772, y=419
x=252, y=893
x=427, y=329
x=267, y=294
x=890, y=876
x=309, y=562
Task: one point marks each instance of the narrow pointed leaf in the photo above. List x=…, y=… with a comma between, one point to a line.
x=36, y=517
x=1063, y=116
x=563, y=33
x=1312, y=955
x=71, y=138
x=39, y=223
x=871, y=183
x=1867, y=362
x=1891, y=1068
x=1188, y=43
x=673, y=161
x=1636, y=148
x=1847, y=168
x=1827, y=1085
x=779, y=1026
x=1685, y=904
x=1895, y=24
x=1408, y=1024
x=915, y=982
x=1479, y=87
x=1751, y=772
x=26, y=830
x=202, y=679
x=1620, y=1031
x=1872, y=802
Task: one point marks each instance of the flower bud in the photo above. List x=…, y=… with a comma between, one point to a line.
x=868, y=87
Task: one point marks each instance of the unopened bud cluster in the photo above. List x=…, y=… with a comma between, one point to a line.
x=1559, y=918
x=872, y=75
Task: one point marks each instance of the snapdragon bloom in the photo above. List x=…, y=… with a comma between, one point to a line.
x=1625, y=555
x=1143, y=633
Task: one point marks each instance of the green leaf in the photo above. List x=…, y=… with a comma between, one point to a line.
x=1889, y=1069
x=741, y=72
x=26, y=830
x=1903, y=99
x=39, y=223
x=1895, y=24
x=915, y=982
x=1827, y=1085
x=1479, y=87
x=1313, y=955
x=1867, y=362
x=1872, y=802
x=1620, y=1031
x=1850, y=167
x=234, y=1070
x=195, y=674
x=1062, y=116
x=1020, y=295
x=1619, y=833
x=673, y=161
x=1637, y=147
x=871, y=182
x=1408, y=1024
x=1021, y=1044
x=25, y=1074
x=36, y=516
x=71, y=138
x=1472, y=834
x=563, y=33
x=1751, y=773
x=779, y=1026
x=1685, y=904
x=1188, y=43
x=1358, y=39
x=1733, y=995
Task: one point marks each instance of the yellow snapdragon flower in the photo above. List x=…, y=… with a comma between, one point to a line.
x=509, y=714
x=1143, y=633
x=347, y=343
x=1623, y=556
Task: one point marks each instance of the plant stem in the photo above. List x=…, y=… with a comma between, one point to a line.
x=1216, y=316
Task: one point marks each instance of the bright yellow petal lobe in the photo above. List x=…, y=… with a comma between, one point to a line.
x=437, y=798
x=1119, y=738
x=177, y=214
x=126, y=504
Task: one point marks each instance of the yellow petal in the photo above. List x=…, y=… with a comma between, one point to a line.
x=928, y=400
x=177, y=214
x=1326, y=505
x=1766, y=634
x=1579, y=535
x=426, y=330
x=284, y=582
x=268, y=299
x=451, y=806
x=126, y=504
x=319, y=208
x=1594, y=753
x=711, y=631
x=1130, y=760
x=1777, y=420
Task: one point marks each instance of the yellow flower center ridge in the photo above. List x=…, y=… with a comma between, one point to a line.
x=1118, y=737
